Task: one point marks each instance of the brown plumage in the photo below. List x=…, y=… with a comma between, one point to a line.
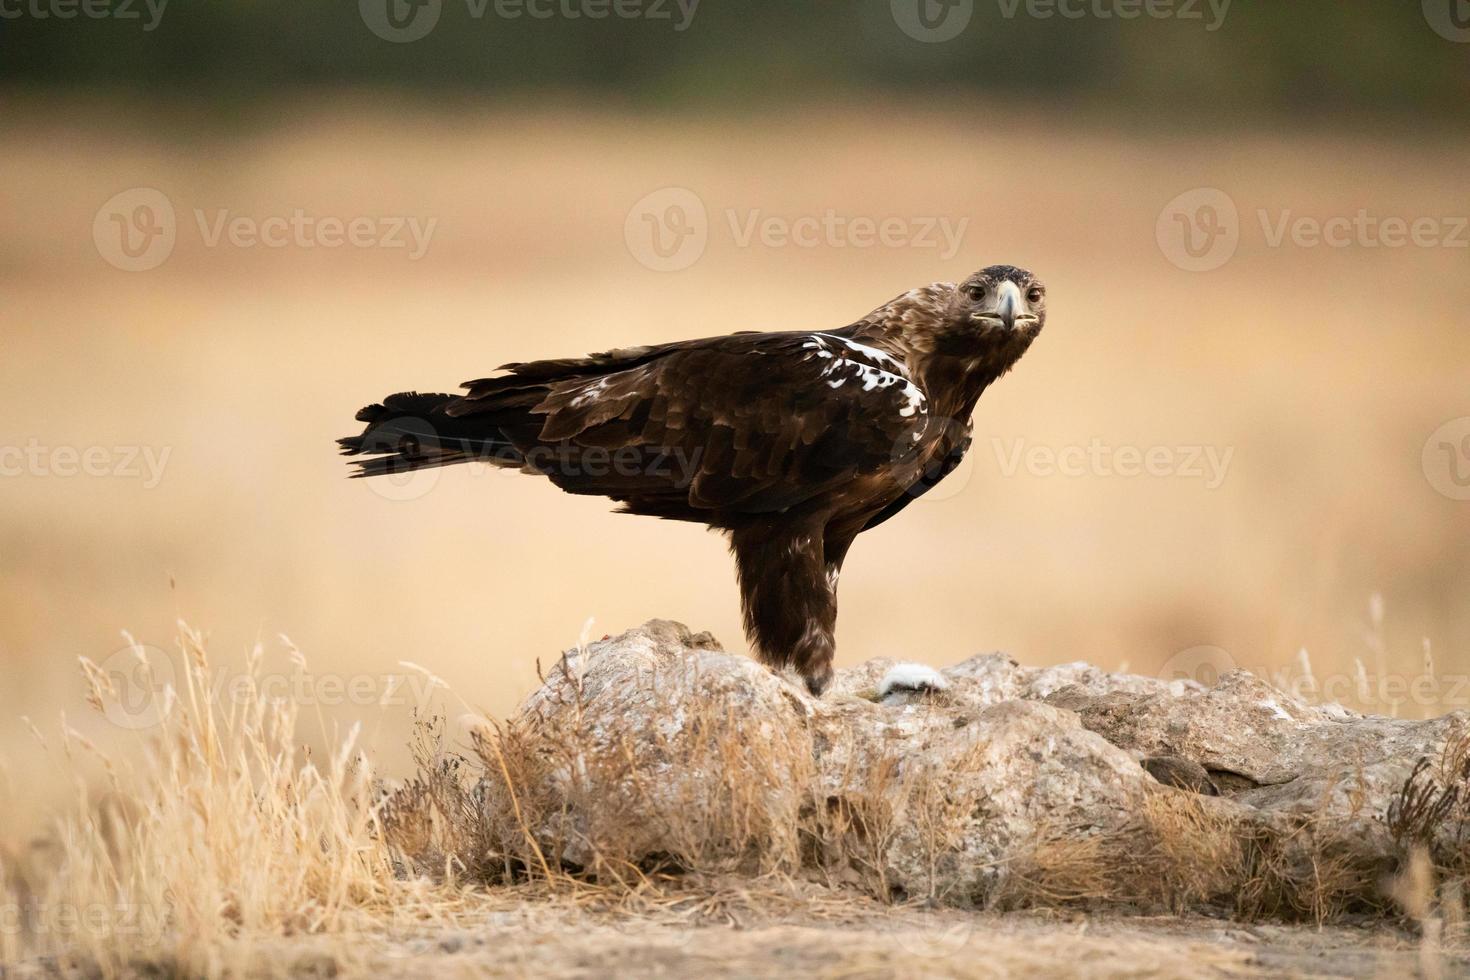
x=791, y=443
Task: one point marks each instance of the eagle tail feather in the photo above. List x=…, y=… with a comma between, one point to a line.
x=411, y=431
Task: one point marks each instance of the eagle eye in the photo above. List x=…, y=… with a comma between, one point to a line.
x=1035, y=294
x=976, y=291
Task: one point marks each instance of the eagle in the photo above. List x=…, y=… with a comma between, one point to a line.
x=792, y=443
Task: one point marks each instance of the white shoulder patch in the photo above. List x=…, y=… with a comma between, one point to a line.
x=911, y=677
x=867, y=367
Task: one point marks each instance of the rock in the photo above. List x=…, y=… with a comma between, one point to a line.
x=1283, y=753
x=656, y=742
x=1181, y=773
x=657, y=747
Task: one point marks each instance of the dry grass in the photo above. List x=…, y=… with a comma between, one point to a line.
x=222, y=834
x=1429, y=821
x=553, y=797
x=229, y=850
x=218, y=838
x=1183, y=853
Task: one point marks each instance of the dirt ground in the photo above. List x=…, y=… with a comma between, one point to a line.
x=866, y=943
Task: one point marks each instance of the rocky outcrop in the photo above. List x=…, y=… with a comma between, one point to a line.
x=658, y=746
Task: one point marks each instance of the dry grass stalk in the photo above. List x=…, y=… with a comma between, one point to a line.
x=553, y=797
x=226, y=834
x=229, y=836
x=1175, y=854
x=1185, y=853
x=1430, y=824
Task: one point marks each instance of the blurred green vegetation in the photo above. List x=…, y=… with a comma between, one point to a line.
x=1266, y=57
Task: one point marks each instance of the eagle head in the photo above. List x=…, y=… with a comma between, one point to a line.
x=986, y=321
x=999, y=306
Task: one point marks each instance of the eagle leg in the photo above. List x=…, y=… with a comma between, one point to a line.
x=787, y=596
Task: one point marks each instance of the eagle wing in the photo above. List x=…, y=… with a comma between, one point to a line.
x=934, y=470
x=749, y=423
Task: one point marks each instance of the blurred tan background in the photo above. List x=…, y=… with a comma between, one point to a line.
x=1316, y=375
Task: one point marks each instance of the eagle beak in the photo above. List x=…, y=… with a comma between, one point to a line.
x=1008, y=303
x=1006, y=309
